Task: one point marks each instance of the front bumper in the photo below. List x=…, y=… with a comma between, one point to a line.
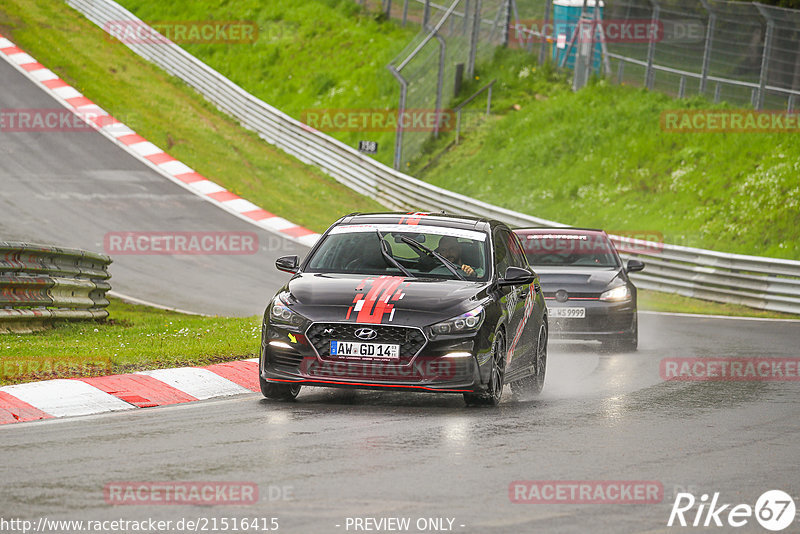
x=603, y=320
x=292, y=357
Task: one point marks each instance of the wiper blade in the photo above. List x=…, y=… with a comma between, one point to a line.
x=389, y=257
x=444, y=261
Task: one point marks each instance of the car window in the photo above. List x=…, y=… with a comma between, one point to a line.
x=569, y=250
x=357, y=249
x=517, y=254
x=502, y=253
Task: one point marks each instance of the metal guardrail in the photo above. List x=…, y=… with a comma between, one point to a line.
x=764, y=283
x=41, y=283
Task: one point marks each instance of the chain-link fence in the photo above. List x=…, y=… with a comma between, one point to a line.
x=740, y=52
x=745, y=53
x=429, y=70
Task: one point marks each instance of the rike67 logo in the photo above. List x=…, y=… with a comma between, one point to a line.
x=774, y=510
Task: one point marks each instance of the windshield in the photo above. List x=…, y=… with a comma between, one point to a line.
x=356, y=249
x=575, y=250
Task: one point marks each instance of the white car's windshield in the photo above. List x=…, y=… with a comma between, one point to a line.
x=357, y=249
x=573, y=250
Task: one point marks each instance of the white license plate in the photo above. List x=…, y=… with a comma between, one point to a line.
x=355, y=349
x=567, y=313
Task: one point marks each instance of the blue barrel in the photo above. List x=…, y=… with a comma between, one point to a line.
x=565, y=19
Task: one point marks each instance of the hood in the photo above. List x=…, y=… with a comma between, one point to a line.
x=576, y=279
x=382, y=299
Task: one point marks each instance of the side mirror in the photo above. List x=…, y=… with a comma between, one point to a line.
x=288, y=264
x=634, y=266
x=516, y=276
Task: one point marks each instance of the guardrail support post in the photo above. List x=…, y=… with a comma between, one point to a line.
x=405, y=12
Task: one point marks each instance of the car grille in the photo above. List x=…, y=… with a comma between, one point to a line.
x=411, y=340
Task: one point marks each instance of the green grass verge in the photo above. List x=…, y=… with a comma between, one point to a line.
x=668, y=302
x=595, y=158
x=599, y=158
x=134, y=338
x=170, y=114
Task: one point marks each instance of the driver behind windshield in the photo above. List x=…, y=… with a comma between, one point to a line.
x=450, y=248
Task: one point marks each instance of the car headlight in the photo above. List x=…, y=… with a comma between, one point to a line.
x=617, y=294
x=466, y=322
x=280, y=313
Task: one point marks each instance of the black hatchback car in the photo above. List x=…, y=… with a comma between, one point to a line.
x=416, y=302
x=586, y=285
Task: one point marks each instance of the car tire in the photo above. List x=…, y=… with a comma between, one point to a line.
x=275, y=391
x=532, y=385
x=496, y=379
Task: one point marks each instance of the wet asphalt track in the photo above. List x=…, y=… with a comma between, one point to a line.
x=367, y=454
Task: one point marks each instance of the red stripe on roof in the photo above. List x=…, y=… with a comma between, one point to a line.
x=13, y=410
x=243, y=373
x=140, y=390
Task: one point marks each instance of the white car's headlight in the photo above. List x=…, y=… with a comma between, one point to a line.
x=617, y=294
x=466, y=322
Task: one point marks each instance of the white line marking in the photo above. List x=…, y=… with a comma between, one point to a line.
x=206, y=187
x=62, y=398
x=736, y=317
x=240, y=205
x=145, y=149
x=199, y=383
x=175, y=167
x=66, y=92
x=134, y=300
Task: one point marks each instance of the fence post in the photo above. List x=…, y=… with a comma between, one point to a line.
x=439, y=83
x=473, y=41
x=388, y=9
x=405, y=12
x=548, y=5
x=401, y=108
x=712, y=24
x=649, y=77
x=426, y=13
x=620, y=71
x=507, y=8
x=762, y=84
